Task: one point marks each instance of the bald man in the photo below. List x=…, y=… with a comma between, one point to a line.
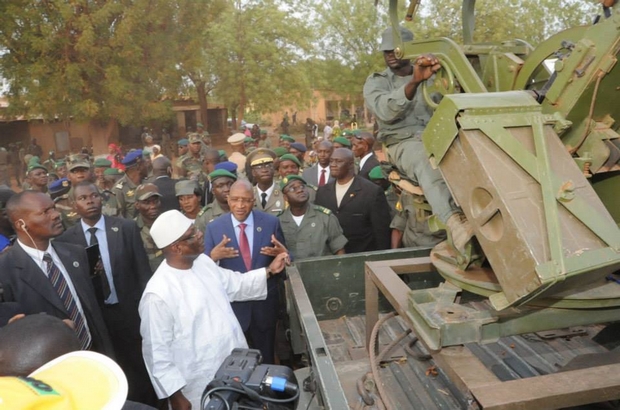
x=363, y=143
x=162, y=178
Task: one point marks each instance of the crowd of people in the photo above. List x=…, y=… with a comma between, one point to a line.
x=166, y=263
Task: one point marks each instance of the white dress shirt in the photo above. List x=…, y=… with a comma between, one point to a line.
x=319, y=169
x=249, y=229
x=268, y=191
x=364, y=159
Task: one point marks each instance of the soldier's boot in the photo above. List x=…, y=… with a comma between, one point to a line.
x=460, y=230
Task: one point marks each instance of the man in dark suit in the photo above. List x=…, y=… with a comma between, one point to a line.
x=363, y=143
x=319, y=174
x=359, y=205
x=42, y=277
x=124, y=273
x=255, y=238
x=162, y=178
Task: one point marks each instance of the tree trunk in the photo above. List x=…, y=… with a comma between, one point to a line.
x=201, y=90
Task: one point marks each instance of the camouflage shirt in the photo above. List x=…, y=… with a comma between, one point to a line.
x=155, y=255
x=125, y=191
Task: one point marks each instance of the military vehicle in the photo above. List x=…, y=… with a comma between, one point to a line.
x=524, y=318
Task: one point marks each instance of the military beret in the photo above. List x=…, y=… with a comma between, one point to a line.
x=260, y=156
x=102, y=163
x=183, y=142
x=288, y=138
x=145, y=191
x=112, y=171
x=199, y=125
x=280, y=151
x=290, y=157
x=236, y=139
x=347, y=132
x=219, y=173
x=227, y=166
x=248, y=140
x=263, y=131
x=221, y=152
x=60, y=163
x=376, y=173
x=132, y=158
x=32, y=165
x=299, y=146
x=290, y=178
x=343, y=141
x=33, y=160
x=186, y=187
x=59, y=187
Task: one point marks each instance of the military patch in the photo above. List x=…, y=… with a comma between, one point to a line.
x=130, y=193
x=322, y=209
x=119, y=185
x=65, y=183
x=312, y=187
x=202, y=211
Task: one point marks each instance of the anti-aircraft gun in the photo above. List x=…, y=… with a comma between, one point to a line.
x=527, y=141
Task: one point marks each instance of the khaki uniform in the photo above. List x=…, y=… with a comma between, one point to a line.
x=68, y=216
x=155, y=255
x=125, y=191
x=412, y=221
x=275, y=203
x=207, y=215
x=110, y=204
x=266, y=143
x=319, y=233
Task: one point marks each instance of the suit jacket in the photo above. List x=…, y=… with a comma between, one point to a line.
x=130, y=265
x=169, y=199
x=275, y=203
x=263, y=312
x=368, y=166
x=364, y=214
x=311, y=176
x=24, y=282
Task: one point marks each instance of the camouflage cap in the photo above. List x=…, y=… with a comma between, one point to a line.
x=387, y=38
x=145, y=191
x=199, y=125
x=78, y=161
x=194, y=138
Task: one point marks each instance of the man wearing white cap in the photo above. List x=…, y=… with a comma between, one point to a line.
x=188, y=326
x=238, y=155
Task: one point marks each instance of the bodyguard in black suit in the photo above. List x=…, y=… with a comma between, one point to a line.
x=162, y=172
x=362, y=210
x=24, y=270
x=124, y=271
x=363, y=143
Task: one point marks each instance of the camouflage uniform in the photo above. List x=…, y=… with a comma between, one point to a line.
x=208, y=214
x=125, y=191
x=319, y=233
x=412, y=221
x=155, y=255
x=67, y=214
x=192, y=168
x=110, y=204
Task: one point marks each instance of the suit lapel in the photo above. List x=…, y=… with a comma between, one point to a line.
x=32, y=274
x=76, y=273
x=351, y=193
x=258, y=234
x=113, y=237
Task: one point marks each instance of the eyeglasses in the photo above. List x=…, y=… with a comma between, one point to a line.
x=241, y=201
x=295, y=188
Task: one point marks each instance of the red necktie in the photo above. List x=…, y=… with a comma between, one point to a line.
x=322, y=179
x=244, y=247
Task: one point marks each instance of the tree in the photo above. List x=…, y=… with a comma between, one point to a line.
x=259, y=57
x=86, y=60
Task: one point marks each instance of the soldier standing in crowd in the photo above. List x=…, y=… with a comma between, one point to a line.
x=205, y=139
x=110, y=203
x=221, y=181
x=191, y=166
x=50, y=163
x=182, y=152
x=285, y=141
x=61, y=169
x=288, y=165
x=309, y=230
x=148, y=205
x=188, y=193
x=37, y=175
x=267, y=194
x=125, y=189
x=299, y=150
x=100, y=165
x=211, y=159
x=264, y=141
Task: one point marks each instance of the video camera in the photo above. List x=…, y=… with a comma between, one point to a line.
x=243, y=380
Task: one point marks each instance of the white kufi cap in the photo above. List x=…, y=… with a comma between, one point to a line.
x=169, y=227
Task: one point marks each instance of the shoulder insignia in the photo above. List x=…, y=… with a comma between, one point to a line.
x=203, y=210
x=322, y=209
x=312, y=187
x=71, y=214
x=130, y=193
x=119, y=185
x=158, y=253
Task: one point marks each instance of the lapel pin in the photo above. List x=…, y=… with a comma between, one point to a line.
x=259, y=229
x=313, y=224
x=76, y=264
x=115, y=229
x=352, y=195
x=277, y=203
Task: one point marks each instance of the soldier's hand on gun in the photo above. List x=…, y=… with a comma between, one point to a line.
x=424, y=67
x=274, y=250
x=221, y=251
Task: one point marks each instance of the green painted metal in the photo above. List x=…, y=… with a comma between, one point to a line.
x=468, y=17
x=607, y=186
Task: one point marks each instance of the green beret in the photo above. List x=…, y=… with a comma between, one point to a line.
x=60, y=163
x=376, y=173
x=280, y=151
x=218, y=173
x=343, y=141
x=288, y=138
x=112, y=171
x=263, y=131
x=290, y=178
x=102, y=163
x=347, y=132
x=33, y=161
x=35, y=165
x=290, y=157
x=248, y=140
x=221, y=152
x=183, y=142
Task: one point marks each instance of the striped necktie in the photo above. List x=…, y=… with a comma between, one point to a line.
x=62, y=289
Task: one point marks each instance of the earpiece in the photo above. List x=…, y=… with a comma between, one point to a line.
x=23, y=224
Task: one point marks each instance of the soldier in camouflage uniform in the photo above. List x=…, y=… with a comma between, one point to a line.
x=148, y=205
x=182, y=151
x=110, y=204
x=59, y=192
x=221, y=181
x=191, y=166
x=205, y=139
x=78, y=167
x=309, y=230
x=125, y=189
x=100, y=165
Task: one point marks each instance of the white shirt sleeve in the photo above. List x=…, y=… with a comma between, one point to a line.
x=157, y=330
x=251, y=285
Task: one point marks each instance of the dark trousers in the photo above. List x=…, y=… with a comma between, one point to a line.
x=125, y=335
